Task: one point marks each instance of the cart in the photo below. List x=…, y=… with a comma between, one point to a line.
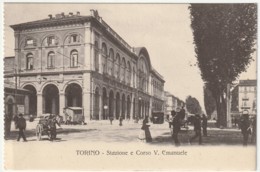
x=42, y=128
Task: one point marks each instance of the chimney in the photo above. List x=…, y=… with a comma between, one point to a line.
x=62, y=15
x=50, y=16
x=70, y=14
x=78, y=13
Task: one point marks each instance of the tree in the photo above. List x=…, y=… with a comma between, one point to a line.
x=209, y=101
x=224, y=38
x=193, y=105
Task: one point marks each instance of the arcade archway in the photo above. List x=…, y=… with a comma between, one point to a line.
x=117, y=105
x=73, y=95
x=51, y=99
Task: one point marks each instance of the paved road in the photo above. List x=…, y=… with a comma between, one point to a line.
x=103, y=131
x=102, y=137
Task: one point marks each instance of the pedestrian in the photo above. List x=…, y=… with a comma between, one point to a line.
x=253, y=136
x=204, y=124
x=120, y=121
x=146, y=129
x=176, y=128
x=182, y=113
x=173, y=113
x=15, y=121
x=197, y=129
x=245, y=127
x=21, y=125
x=31, y=118
x=111, y=119
x=52, y=127
x=235, y=121
x=7, y=124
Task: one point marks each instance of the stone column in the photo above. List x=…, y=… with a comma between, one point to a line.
x=149, y=107
x=86, y=96
x=107, y=110
x=39, y=104
x=62, y=104
x=100, y=106
x=131, y=107
x=26, y=105
x=114, y=107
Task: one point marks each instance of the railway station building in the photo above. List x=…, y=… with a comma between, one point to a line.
x=70, y=60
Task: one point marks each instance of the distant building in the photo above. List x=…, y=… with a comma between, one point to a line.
x=171, y=103
x=247, y=93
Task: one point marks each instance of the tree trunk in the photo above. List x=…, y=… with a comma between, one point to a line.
x=221, y=111
x=218, y=110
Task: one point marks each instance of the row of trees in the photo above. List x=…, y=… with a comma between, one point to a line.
x=224, y=39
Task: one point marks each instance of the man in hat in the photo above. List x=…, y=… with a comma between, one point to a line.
x=52, y=126
x=21, y=125
x=197, y=129
x=182, y=113
x=245, y=127
x=176, y=128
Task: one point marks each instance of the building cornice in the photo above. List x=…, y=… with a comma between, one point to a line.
x=51, y=22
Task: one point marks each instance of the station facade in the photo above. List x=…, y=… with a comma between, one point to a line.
x=80, y=61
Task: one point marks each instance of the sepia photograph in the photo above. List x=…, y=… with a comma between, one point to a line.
x=117, y=86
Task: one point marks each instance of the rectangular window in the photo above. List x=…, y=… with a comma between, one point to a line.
x=29, y=42
x=74, y=38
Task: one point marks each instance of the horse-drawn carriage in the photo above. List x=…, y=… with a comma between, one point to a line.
x=43, y=126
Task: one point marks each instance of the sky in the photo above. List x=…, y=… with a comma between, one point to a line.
x=164, y=29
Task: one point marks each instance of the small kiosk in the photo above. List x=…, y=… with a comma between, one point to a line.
x=74, y=115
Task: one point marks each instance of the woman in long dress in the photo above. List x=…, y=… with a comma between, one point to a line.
x=145, y=127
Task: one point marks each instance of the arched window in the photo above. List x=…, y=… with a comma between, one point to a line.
x=129, y=74
x=29, y=61
x=50, y=59
x=134, y=77
x=111, y=62
x=104, y=57
x=74, y=58
x=117, y=66
x=123, y=70
x=96, y=56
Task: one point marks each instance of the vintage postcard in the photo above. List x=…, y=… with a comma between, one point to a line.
x=128, y=87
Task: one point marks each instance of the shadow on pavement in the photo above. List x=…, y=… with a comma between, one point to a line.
x=32, y=133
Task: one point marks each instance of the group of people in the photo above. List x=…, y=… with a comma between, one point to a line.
x=51, y=122
x=248, y=128
x=177, y=120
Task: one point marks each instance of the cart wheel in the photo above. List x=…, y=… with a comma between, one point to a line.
x=38, y=132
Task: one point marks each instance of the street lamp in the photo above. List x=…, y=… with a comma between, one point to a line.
x=105, y=109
